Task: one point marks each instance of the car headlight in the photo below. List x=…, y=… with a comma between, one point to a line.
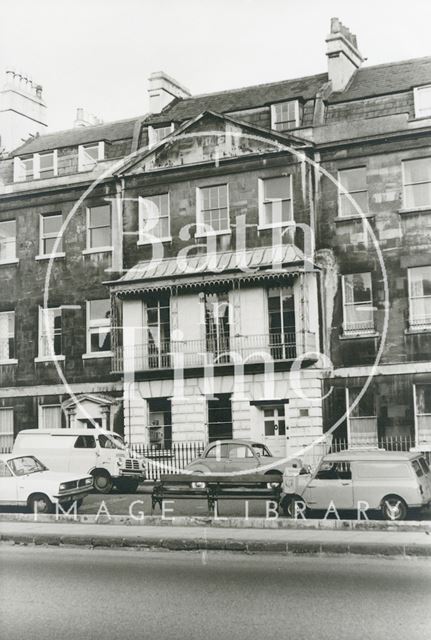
x=89, y=481
x=121, y=462
x=63, y=486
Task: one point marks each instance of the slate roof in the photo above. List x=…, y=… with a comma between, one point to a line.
x=386, y=78
x=118, y=130
x=367, y=82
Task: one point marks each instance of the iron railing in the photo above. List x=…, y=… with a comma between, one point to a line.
x=213, y=350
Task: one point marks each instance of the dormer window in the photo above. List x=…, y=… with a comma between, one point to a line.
x=39, y=165
x=90, y=154
x=422, y=96
x=156, y=134
x=285, y=115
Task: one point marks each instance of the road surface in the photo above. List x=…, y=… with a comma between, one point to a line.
x=81, y=594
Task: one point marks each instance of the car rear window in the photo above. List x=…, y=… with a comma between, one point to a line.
x=424, y=465
x=417, y=467
x=383, y=469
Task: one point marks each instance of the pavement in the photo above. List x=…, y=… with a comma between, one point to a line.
x=75, y=593
x=253, y=537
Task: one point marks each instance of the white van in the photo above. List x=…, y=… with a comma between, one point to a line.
x=87, y=451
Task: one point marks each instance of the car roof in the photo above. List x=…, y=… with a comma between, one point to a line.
x=63, y=432
x=370, y=455
x=235, y=441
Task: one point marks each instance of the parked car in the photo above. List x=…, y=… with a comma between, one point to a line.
x=228, y=456
x=392, y=482
x=95, y=452
x=26, y=481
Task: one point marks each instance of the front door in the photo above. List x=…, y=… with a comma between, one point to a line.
x=274, y=429
x=333, y=482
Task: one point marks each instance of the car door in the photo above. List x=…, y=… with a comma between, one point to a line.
x=241, y=457
x=332, y=482
x=83, y=455
x=8, y=485
x=215, y=457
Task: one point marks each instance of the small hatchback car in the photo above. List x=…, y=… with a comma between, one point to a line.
x=228, y=456
x=393, y=482
x=25, y=481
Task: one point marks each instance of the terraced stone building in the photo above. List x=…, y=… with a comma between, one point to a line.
x=254, y=263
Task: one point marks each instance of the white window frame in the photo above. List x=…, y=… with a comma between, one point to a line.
x=351, y=193
x=14, y=259
x=9, y=360
x=41, y=407
x=201, y=231
x=152, y=135
x=350, y=417
x=416, y=95
x=276, y=418
x=6, y=435
x=426, y=324
x=359, y=332
x=48, y=236
x=403, y=164
x=141, y=234
x=416, y=414
x=88, y=163
x=274, y=114
x=36, y=164
x=100, y=249
x=95, y=324
x=19, y=170
x=44, y=332
x=262, y=202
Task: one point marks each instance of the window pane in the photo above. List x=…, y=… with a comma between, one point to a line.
x=100, y=216
x=8, y=240
x=100, y=339
x=347, y=208
x=46, y=161
x=423, y=102
x=51, y=224
x=353, y=179
x=417, y=170
x=366, y=406
x=100, y=309
x=92, y=151
x=51, y=417
x=277, y=187
x=100, y=237
x=418, y=195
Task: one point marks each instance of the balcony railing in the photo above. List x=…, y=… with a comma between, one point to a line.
x=214, y=350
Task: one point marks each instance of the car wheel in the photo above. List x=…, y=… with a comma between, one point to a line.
x=127, y=485
x=394, y=508
x=102, y=481
x=40, y=503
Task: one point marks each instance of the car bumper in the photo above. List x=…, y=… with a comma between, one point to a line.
x=73, y=494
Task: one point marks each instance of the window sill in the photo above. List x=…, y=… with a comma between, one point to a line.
x=281, y=225
x=11, y=361
x=355, y=336
x=412, y=331
x=355, y=218
x=146, y=243
x=6, y=262
x=98, y=250
x=49, y=256
x=50, y=359
x=211, y=234
x=97, y=354
x=414, y=210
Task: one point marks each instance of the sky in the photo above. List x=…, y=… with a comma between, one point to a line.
x=98, y=54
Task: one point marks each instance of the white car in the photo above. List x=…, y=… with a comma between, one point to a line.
x=25, y=481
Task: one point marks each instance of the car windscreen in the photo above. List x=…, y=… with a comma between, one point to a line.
x=261, y=450
x=26, y=465
x=109, y=443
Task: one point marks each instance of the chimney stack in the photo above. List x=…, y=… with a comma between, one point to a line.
x=162, y=90
x=23, y=112
x=85, y=119
x=343, y=55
